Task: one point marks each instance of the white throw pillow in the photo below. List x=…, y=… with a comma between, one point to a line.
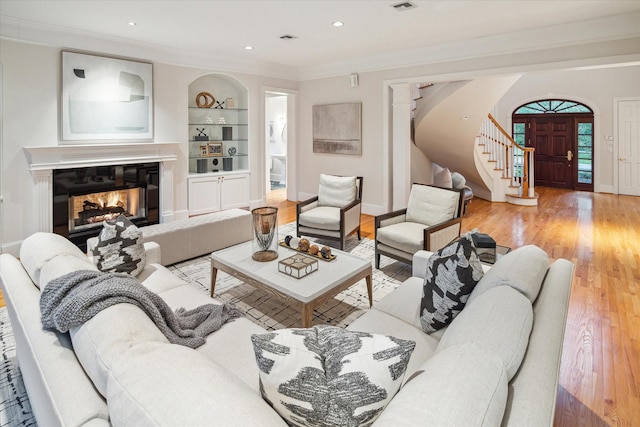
x=327, y=375
x=336, y=191
x=458, y=181
x=120, y=248
x=442, y=177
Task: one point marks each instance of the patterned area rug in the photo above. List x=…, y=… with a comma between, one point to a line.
x=271, y=313
x=14, y=404
x=263, y=309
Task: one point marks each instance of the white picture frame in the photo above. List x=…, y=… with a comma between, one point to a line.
x=106, y=99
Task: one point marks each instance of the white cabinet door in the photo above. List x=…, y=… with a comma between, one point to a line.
x=235, y=191
x=204, y=195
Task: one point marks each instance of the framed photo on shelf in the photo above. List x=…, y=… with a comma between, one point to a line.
x=215, y=149
x=204, y=150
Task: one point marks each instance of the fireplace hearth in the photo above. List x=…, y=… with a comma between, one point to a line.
x=85, y=197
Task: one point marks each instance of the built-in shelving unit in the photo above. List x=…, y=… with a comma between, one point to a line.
x=218, y=144
x=218, y=132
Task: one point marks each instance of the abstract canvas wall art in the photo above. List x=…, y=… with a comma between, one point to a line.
x=337, y=128
x=106, y=98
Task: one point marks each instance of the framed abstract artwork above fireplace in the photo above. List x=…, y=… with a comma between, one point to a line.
x=105, y=99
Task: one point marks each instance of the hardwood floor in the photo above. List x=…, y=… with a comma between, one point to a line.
x=600, y=234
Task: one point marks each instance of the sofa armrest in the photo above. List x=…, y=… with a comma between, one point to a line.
x=153, y=252
x=440, y=235
x=419, y=266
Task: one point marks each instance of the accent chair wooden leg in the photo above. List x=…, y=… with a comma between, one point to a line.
x=377, y=260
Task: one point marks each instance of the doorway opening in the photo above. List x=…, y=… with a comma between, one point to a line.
x=561, y=131
x=276, y=140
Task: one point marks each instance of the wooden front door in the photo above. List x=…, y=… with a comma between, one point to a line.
x=553, y=139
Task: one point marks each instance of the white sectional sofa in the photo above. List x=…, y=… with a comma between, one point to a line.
x=497, y=363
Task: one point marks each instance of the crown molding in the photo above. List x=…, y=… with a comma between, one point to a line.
x=607, y=29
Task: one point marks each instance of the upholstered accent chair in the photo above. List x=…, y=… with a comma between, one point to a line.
x=432, y=219
x=334, y=213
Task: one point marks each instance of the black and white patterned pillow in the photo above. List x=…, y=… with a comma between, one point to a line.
x=452, y=273
x=120, y=248
x=326, y=375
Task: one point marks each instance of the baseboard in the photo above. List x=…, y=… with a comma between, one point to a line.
x=182, y=214
x=605, y=189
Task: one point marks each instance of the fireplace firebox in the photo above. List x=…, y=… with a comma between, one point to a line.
x=85, y=197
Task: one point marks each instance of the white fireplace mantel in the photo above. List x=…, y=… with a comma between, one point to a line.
x=43, y=160
x=87, y=155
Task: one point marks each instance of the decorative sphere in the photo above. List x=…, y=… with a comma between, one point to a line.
x=303, y=245
x=294, y=242
x=313, y=249
x=326, y=252
x=287, y=239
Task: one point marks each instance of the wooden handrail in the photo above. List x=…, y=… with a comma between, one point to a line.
x=501, y=147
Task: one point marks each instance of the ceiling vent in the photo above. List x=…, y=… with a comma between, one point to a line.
x=405, y=5
x=288, y=37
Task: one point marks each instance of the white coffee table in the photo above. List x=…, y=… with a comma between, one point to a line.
x=309, y=292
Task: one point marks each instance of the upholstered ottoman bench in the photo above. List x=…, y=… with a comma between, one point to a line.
x=195, y=236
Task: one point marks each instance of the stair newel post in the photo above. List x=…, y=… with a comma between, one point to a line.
x=531, y=157
x=525, y=175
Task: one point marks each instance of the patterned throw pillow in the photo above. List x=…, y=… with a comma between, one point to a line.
x=326, y=375
x=452, y=273
x=120, y=248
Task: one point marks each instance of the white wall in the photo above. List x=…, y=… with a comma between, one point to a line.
x=537, y=67
x=31, y=85
x=595, y=88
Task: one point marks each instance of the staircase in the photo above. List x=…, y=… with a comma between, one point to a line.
x=451, y=128
x=511, y=161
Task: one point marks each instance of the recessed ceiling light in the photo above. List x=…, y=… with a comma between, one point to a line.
x=248, y=48
x=288, y=37
x=133, y=24
x=338, y=24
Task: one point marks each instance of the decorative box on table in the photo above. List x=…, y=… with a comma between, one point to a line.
x=485, y=247
x=298, y=266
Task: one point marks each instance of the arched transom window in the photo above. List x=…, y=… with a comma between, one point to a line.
x=553, y=106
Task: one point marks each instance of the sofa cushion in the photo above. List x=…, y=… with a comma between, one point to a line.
x=452, y=273
x=61, y=265
x=500, y=320
x=325, y=217
x=406, y=236
x=120, y=248
x=377, y=322
x=336, y=191
x=523, y=269
x=103, y=339
x=326, y=375
x=431, y=205
x=464, y=385
x=152, y=380
x=40, y=248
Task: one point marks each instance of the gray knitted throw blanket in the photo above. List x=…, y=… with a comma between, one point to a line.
x=76, y=297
